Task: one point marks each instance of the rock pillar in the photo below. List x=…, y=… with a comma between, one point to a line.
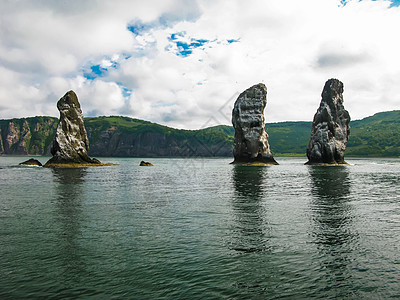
x=251, y=140
x=70, y=144
x=330, y=129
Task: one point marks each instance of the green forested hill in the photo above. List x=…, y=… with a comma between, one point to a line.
x=289, y=138
x=123, y=136
x=378, y=135
x=27, y=135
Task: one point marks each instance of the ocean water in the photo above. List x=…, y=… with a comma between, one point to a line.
x=200, y=229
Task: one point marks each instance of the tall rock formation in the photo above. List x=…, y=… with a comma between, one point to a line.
x=330, y=129
x=251, y=140
x=70, y=144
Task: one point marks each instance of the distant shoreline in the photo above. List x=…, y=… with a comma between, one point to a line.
x=198, y=157
x=375, y=136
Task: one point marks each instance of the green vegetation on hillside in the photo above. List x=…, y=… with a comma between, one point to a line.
x=122, y=124
x=36, y=132
x=208, y=136
x=378, y=135
x=289, y=138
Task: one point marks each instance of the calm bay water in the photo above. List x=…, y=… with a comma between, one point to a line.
x=200, y=229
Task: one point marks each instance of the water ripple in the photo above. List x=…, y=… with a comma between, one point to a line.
x=200, y=229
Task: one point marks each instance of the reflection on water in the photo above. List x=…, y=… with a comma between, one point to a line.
x=251, y=230
x=331, y=211
x=332, y=218
x=283, y=232
x=69, y=176
x=69, y=192
x=330, y=182
x=248, y=182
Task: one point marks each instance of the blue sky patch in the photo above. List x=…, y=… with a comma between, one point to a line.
x=93, y=71
x=394, y=2
x=139, y=28
x=125, y=91
x=183, y=46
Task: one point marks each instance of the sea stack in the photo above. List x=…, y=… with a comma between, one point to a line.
x=251, y=140
x=330, y=128
x=70, y=145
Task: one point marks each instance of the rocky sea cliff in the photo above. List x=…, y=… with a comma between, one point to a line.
x=378, y=135
x=118, y=137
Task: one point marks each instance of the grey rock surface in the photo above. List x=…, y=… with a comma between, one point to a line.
x=251, y=140
x=27, y=136
x=330, y=129
x=70, y=144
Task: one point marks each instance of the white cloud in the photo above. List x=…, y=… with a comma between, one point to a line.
x=100, y=98
x=47, y=47
x=97, y=97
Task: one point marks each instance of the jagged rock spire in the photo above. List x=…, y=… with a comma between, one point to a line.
x=330, y=129
x=70, y=144
x=251, y=139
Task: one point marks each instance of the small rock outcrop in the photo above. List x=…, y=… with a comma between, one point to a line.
x=251, y=140
x=330, y=129
x=31, y=162
x=146, y=164
x=70, y=145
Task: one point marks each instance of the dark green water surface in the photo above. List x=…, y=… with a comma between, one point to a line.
x=200, y=229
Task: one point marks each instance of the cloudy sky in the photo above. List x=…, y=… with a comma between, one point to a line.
x=182, y=63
